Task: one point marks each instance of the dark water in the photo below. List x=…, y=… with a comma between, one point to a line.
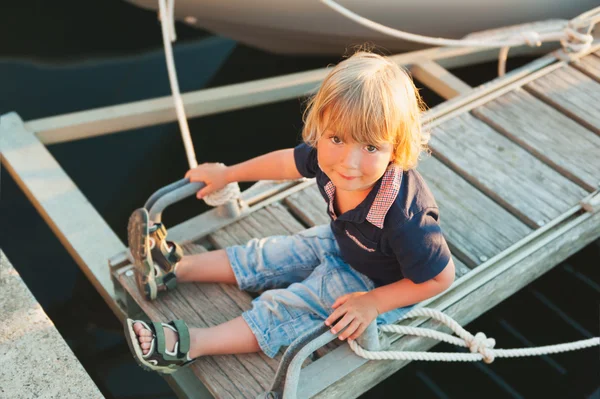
x=63, y=57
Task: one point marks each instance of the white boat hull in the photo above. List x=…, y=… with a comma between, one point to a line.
x=310, y=27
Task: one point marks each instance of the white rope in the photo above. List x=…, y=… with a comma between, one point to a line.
x=168, y=34
x=481, y=347
x=224, y=195
x=167, y=22
x=575, y=36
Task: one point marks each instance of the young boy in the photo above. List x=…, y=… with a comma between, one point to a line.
x=382, y=253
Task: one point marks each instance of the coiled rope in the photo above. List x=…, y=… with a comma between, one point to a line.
x=574, y=35
x=481, y=347
x=167, y=22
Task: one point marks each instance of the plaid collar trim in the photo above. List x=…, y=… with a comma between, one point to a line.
x=386, y=195
x=390, y=186
x=330, y=190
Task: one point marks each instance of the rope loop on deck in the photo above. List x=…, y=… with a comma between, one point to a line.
x=480, y=346
x=575, y=41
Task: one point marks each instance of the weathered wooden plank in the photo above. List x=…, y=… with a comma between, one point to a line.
x=309, y=206
x=460, y=268
x=589, y=65
x=511, y=176
x=439, y=79
x=475, y=226
x=219, y=376
x=324, y=374
x=78, y=226
x=549, y=135
x=268, y=221
x=573, y=93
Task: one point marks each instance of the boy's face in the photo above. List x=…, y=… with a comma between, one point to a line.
x=352, y=166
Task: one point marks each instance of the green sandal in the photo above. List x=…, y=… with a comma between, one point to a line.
x=158, y=357
x=154, y=257
x=165, y=254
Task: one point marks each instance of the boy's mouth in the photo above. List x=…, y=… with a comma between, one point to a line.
x=347, y=177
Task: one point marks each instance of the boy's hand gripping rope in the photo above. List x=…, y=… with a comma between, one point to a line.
x=481, y=347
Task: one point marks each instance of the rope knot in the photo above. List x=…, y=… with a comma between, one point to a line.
x=224, y=195
x=575, y=40
x=532, y=38
x=482, y=345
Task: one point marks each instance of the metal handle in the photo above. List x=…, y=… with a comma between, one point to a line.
x=168, y=195
x=285, y=383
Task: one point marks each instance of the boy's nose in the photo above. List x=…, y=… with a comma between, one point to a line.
x=351, y=158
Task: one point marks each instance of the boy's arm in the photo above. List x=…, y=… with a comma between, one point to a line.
x=405, y=292
x=276, y=165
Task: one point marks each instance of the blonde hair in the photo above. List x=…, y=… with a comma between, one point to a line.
x=372, y=100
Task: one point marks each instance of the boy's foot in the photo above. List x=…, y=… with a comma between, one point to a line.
x=155, y=258
x=145, y=337
x=162, y=347
x=139, y=247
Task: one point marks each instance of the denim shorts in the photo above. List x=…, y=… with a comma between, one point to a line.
x=303, y=275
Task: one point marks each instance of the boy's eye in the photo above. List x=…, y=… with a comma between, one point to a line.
x=371, y=148
x=336, y=139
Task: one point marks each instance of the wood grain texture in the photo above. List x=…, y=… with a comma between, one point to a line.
x=309, y=206
x=460, y=268
x=72, y=218
x=476, y=228
x=272, y=220
x=573, y=93
x=505, y=172
x=590, y=65
x=551, y=136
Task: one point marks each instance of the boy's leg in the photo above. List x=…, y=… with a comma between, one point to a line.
x=231, y=337
x=260, y=264
x=212, y=266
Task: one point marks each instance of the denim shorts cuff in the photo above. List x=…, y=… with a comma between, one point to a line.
x=247, y=316
x=237, y=270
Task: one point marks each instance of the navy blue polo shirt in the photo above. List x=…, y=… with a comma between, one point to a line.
x=394, y=233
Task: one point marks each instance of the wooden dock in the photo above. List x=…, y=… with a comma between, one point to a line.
x=515, y=171
x=500, y=171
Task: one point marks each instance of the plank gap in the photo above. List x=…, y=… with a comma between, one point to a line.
x=480, y=187
x=589, y=65
x=291, y=211
x=562, y=110
x=586, y=71
x=531, y=150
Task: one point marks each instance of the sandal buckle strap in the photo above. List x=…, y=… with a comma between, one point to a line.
x=175, y=254
x=160, y=233
x=170, y=281
x=184, y=337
